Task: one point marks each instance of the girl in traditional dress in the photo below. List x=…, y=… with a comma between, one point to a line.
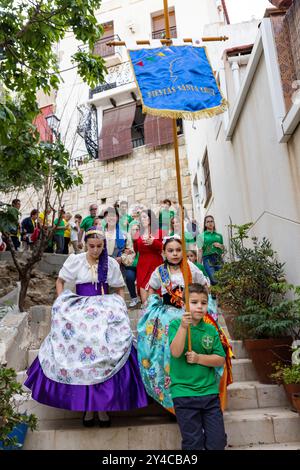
x=153, y=344
x=88, y=361
x=149, y=247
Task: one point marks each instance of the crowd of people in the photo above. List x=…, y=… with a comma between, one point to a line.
x=89, y=361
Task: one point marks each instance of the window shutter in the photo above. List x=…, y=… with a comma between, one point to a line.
x=115, y=138
x=158, y=131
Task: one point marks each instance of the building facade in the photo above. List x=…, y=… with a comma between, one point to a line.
x=122, y=153
x=247, y=166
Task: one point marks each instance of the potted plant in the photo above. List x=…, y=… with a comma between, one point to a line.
x=289, y=377
x=251, y=285
x=13, y=425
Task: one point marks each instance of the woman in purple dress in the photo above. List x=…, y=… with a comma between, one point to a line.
x=88, y=361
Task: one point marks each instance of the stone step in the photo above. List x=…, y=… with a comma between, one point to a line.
x=252, y=394
x=262, y=426
x=243, y=370
x=49, y=413
x=239, y=349
x=274, y=446
x=243, y=428
x=32, y=354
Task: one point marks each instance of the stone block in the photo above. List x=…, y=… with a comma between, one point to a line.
x=14, y=340
x=271, y=395
x=286, y=426
x=239, y=350
x=32, y=354
x=243, y=370
x=244, y=427
x=241, y=395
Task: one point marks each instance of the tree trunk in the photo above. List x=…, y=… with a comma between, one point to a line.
x=25, y=280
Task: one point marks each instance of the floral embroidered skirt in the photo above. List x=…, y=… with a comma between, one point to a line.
x=88, y=361
x=154, y=350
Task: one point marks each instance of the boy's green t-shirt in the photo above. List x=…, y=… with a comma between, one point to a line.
x=62, y=223
x=190, y=380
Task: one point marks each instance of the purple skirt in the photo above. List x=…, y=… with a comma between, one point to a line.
x=123, y=391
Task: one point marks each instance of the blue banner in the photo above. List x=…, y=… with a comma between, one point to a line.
x=177, y=82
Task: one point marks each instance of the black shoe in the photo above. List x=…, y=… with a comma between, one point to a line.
x=88, y=423
x=104, y=423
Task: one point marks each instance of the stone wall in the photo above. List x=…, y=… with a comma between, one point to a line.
x=145, y=176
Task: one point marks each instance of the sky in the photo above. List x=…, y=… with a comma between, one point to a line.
x=243, y=10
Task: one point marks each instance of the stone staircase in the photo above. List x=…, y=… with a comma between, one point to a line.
x=258, y=416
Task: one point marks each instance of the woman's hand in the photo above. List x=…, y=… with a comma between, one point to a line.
x=218, y=245
x=149, y=240
x=128, y=251
x=186, y=320
x=192, y=357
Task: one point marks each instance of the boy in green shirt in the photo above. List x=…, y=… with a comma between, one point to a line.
x=194, y=388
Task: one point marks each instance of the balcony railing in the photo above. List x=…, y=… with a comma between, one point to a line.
x=117, y=75
x=137, y=135
x=101, y=47
x=161, y=34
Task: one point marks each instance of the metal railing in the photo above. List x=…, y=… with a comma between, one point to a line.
x=137, y=135
x=117, y=75
x=161, y=34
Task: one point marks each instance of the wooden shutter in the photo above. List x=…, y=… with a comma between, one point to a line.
x=115, y=138
x=158, y=131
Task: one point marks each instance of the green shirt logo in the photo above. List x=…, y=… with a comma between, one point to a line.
x=207, y=341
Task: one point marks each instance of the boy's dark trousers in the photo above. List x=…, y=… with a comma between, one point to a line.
x=201, y=422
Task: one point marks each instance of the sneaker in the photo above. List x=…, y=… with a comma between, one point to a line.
x=134, y=302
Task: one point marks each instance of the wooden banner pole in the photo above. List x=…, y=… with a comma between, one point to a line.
x=179, y=190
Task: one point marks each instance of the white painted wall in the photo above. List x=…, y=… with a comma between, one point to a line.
x=254, y=177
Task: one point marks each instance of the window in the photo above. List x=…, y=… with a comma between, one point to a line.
x=207, y=182
x=101, y=48
x=137, y=130
x=158, y=25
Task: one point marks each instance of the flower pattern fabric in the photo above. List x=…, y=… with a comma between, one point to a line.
x=90, y=339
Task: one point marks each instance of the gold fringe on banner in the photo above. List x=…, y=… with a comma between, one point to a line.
x=181, y=114
x=187, y=115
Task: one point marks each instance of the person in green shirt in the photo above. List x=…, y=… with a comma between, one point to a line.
x=192, y=256
x=87, y=223
x=124, y=217
x=190, y=239
x=194, y=386
x=211, y=246
x=166, y=214
x=61, y=227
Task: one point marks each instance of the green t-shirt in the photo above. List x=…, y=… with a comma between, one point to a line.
x=133, y=222
x=190, y=240
x=87, y=223
x=124, y=222
x=62, y=223
x=190, y=380
x=165, y=217
x=201, y=267
x=205, y=241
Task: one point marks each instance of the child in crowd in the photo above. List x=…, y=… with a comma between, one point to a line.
x=194, y=386
x=75, y=229
x=153, y=344
x=192, y=256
